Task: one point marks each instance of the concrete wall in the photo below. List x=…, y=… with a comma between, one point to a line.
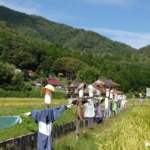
x=29, y=141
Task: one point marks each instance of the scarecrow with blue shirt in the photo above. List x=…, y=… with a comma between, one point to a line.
x=45, y=118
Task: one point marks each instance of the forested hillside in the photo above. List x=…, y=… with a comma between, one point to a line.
x=60, y=34
x=144, y=55
x=48, y=48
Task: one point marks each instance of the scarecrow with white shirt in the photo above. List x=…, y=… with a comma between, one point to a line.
x=89, y=107
x=45, y=118
x=106, y=111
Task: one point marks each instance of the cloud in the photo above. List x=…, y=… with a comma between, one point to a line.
x=122, y=3
x=134, y=39
x=31, y=7
x=27, y=7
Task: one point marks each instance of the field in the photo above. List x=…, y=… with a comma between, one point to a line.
x=13, y=107
x=128, y=130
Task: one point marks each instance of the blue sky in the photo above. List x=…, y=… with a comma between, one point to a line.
x=126, y=21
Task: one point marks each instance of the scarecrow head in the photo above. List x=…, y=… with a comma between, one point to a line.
x=48, y=90
x=91, y=90
x=81, y=89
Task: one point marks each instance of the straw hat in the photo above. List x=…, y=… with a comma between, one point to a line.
x=48, y=87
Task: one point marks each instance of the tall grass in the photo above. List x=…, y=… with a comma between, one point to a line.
x=129, y=130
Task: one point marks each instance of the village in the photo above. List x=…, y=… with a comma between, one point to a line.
x=74, y=75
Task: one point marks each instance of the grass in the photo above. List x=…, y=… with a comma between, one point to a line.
x=130, y=129
x=18, y=106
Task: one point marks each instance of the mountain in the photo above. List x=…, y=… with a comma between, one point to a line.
x=30, y=42
x=144, y=55
x=145, y=50
x=60, y=34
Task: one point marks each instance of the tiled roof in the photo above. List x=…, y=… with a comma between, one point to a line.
x=74, y=84
x=53, y=82
x=101, y=89
x=106, y=82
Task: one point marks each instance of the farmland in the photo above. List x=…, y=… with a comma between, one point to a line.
x=130, y=129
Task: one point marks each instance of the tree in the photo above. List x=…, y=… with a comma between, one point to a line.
x=25, y=60
x=88, y=75
x=6, y=73
x=68, y=66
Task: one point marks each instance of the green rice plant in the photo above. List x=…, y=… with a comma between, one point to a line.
x=129, y=130
x=18, y=106
x=34, y=93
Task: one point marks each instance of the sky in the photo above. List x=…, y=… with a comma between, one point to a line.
x=125, y=21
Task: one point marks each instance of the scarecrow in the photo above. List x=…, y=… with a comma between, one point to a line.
x=114, y=107
x=123, y=102
x=140, y=95
x=48, y=90
x=133, y=98
x=81, y=89
x=89, y=107
x=79, y=102
x=45, y=118
x=98, y=114
x=106, y=111
x=80, y=116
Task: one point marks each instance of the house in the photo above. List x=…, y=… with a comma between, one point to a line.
x=31, y=73
x=72, y=89
x=18, y=70
x=99, y=87
x=117, y=93
x=57, y=84
x=107, y=83
x=103, y=84
x=38, y=85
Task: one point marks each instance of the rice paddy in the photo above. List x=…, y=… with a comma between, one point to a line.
x=128, y=130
